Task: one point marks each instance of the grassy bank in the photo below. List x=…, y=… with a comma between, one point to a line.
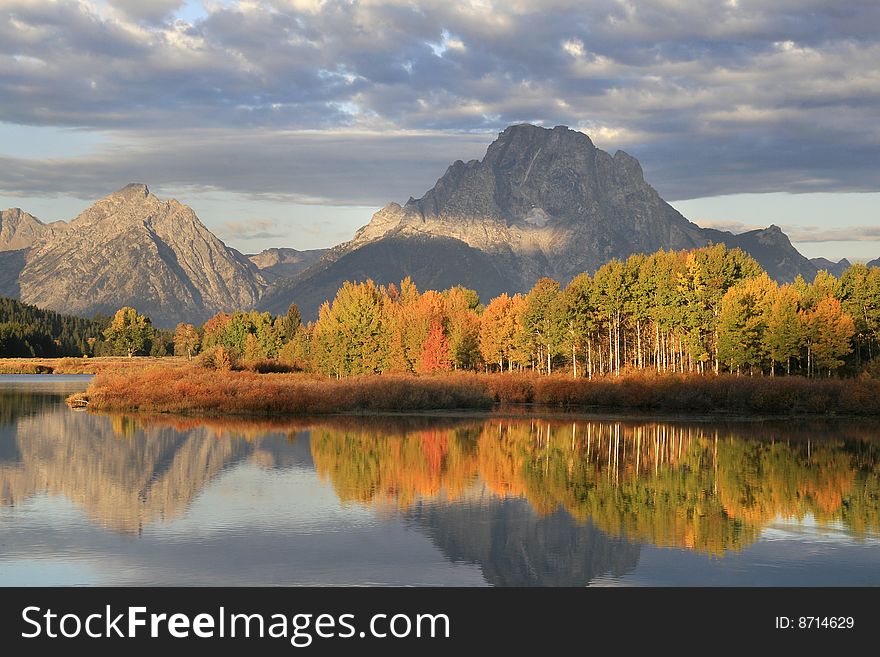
x=83, y=365
x=185, y=389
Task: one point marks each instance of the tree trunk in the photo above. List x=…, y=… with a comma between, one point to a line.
x=639, y=342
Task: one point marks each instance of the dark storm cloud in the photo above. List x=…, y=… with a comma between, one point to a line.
x=714, y=97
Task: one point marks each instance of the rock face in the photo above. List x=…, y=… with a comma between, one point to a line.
x=542, y=202
x=20, y=230
x=284, y=263
x=131, y=248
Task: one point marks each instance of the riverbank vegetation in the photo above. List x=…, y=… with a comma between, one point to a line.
x=192, y=389
x=69, y=365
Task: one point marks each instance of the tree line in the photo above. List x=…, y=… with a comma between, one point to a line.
x=27, y=331
x=711, y=309
x=708, y=310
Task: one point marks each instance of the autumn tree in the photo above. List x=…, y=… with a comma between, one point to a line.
x=463, y=326
x=129, y=332
x=435, y=355
x=827, y=331
x=498, y=330
x=186, y=340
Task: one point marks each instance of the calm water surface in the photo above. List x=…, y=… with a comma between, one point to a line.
x=126, y=500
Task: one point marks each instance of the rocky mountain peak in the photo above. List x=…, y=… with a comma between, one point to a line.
x=20, y=230
x=132, y=191
x=541, y=202
x=132, y=248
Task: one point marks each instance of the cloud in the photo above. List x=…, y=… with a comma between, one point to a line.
x=153, y=11
x=753, y=96
x=326, y=168
x=254, y=229
x=847, y=234
x=735, y=227
x=803, y=234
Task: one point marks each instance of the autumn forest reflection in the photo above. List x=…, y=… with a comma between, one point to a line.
x=700, y=486
x=691, y=486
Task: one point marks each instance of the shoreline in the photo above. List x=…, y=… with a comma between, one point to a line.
x=192, y=391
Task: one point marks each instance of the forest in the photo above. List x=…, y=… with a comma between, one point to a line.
x=709, y=310
x=27, y=331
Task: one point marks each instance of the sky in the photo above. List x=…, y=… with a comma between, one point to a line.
x=289, y=122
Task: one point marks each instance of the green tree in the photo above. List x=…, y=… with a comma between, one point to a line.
x=783, y=336
x=543, y=320
x=742, y=323
x=292, y=322
x=129, y=331
x=350, y=336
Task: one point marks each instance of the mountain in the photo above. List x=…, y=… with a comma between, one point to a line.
x=284, y=263
x=770, y=247
x=835, y=268
x=542, y=202
x=19, y=230
x=873, y=263
x=435, y=262
x=131, y=248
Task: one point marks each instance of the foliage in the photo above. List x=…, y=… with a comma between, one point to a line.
x=27, y=331
x=129, y=332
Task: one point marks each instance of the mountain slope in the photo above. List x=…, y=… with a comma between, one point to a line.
x=425, y=258
x=542, y=202
x=131, y=248
x=19, y=230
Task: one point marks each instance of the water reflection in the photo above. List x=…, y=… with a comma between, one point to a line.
x=527, y=501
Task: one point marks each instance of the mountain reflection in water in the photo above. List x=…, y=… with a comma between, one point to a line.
x=527, y=501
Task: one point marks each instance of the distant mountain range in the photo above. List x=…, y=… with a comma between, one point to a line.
x=542, y=202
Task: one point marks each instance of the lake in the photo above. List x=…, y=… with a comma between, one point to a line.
x=518, y=500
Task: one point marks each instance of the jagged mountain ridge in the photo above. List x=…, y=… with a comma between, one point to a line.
x=834, y=268
x=542, y=202
x=132, y=248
